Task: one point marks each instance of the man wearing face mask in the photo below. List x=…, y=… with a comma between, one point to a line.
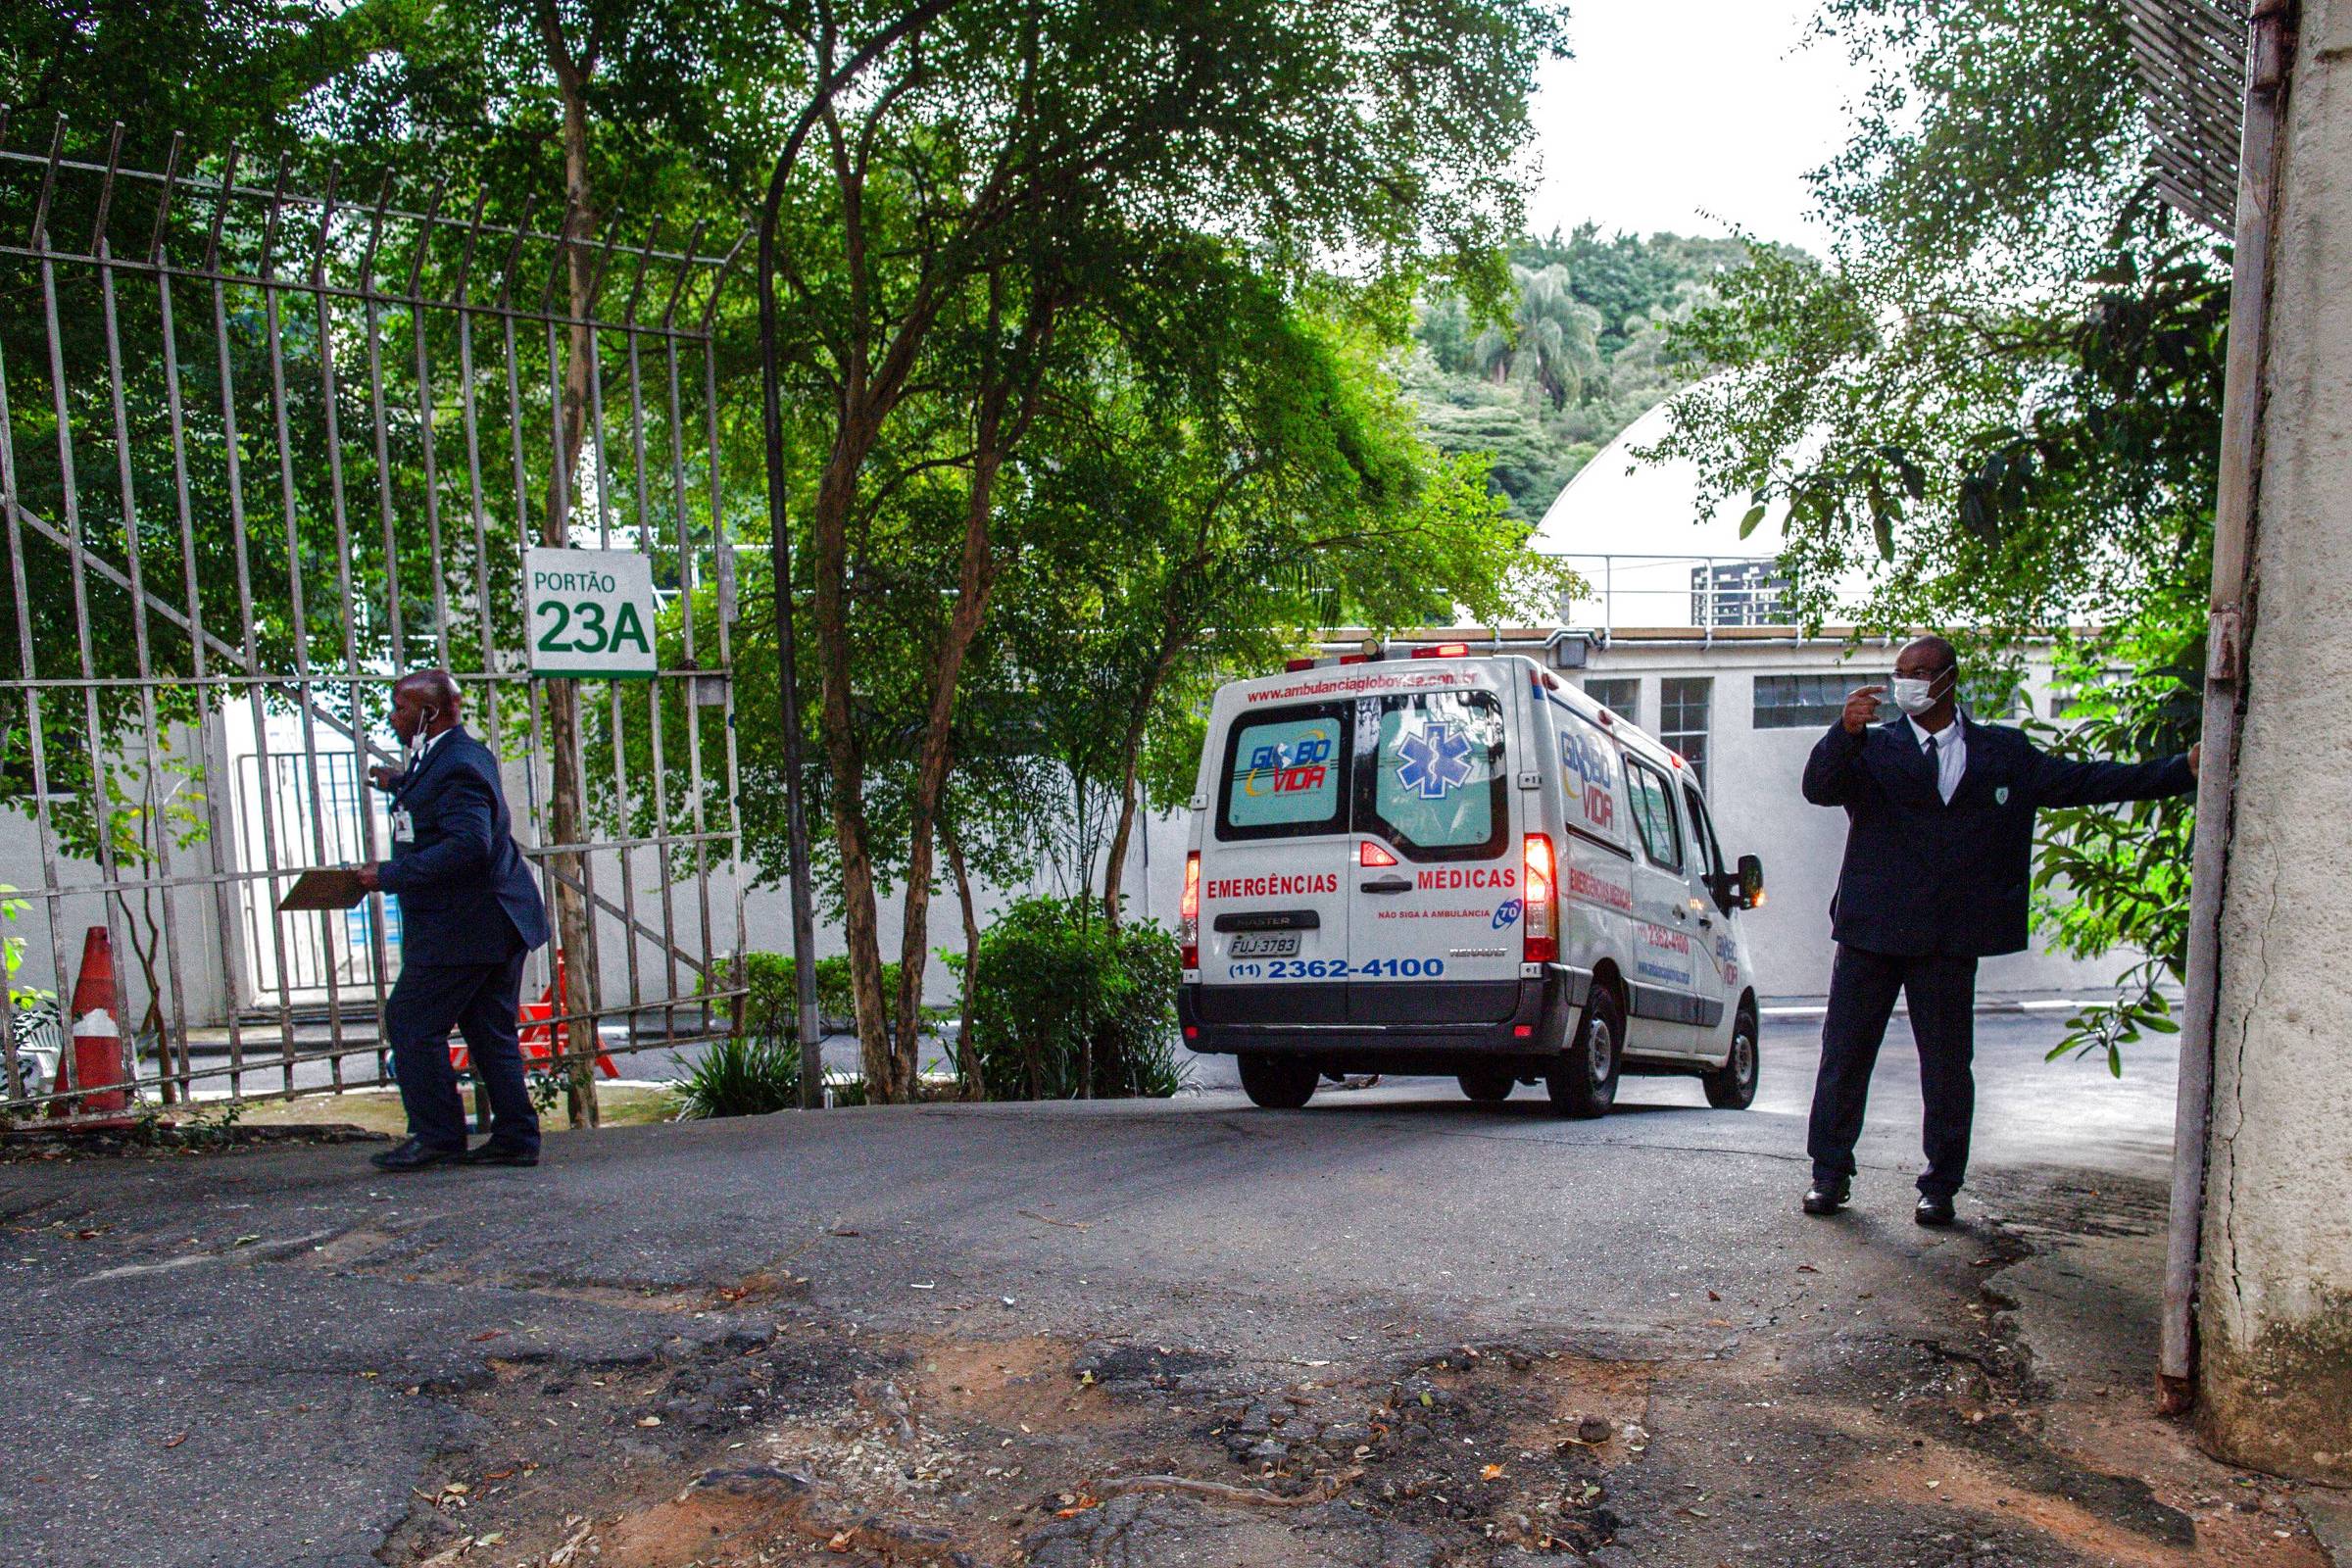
x=469, y=915
x=1937, y=851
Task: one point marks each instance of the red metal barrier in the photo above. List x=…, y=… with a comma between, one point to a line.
x=542, y=1040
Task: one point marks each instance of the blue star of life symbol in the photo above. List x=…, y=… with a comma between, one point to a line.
x=1436, y=762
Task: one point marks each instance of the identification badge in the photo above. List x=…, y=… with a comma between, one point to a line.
x=404, y=827
x=2000, y=796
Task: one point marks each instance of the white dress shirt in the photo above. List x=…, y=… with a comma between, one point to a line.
x=1951, y=753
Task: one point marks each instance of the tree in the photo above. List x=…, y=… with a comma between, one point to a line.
x=1552, y=342
x=1008, y=168
x=1999, y=397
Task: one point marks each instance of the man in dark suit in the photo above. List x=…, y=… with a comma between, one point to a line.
x=1937, y=851
x=469, y=915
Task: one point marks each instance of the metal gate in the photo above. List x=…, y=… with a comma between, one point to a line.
x=262, y=451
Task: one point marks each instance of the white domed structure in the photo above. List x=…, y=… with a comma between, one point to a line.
x=1656, y=555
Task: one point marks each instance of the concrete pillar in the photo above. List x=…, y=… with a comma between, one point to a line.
x=2274, y=1297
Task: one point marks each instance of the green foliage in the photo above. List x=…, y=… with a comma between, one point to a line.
x=2111, y=877
x=1998, y=405
x=741, y=1076
x=1579, y=353
x=771, y=1008
x=1060, y=991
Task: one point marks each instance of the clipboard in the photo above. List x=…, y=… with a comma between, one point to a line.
x=332, y=887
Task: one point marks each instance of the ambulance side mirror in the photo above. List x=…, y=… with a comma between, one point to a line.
x=1751, y=882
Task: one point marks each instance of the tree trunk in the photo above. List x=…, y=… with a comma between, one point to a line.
x=996, y=433
x=576, y=950
x=828, y=520
x=977, y=579
x=1114, y=860
x=967, y=1057
x=1139, y=717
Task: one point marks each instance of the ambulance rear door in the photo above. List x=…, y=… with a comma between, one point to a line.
x=1274, y=894
x=1433, y=937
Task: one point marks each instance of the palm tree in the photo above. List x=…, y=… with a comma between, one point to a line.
x=1552, y=342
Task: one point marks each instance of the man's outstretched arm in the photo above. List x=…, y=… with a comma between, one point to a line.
x=2071, y=781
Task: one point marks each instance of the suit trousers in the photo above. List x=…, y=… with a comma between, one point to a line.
x=479, y=1001
x=1863, y=986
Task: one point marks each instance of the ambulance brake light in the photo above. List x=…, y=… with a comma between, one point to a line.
x=1188, y=914
x=1371, y=854
x=1444, y=651
x=1538, y=921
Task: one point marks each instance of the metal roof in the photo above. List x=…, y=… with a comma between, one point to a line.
x=2192, y=82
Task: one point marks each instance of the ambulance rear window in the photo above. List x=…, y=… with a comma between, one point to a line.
x=1286, y=773
x=1438, y=792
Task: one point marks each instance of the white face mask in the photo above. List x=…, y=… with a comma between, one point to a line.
x=417, y=740
x=1916, y=697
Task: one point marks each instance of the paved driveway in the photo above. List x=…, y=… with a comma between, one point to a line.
x=947, y=1334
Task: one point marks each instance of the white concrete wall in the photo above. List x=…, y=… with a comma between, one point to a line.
x=2275, y=1303
x=1753, y=788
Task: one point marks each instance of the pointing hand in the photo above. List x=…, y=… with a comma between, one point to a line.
x=1860, y=708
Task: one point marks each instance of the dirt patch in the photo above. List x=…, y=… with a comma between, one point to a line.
x=960, y=1449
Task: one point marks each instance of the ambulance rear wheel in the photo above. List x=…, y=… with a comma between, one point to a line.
x=1584, y=1081
x=1486, y=1085
x=1277, y=1084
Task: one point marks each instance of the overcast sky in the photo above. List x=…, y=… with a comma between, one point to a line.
x=1691, y=116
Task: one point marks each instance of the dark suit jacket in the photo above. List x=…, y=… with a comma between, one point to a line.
x=465, y=891
x=1922, y=877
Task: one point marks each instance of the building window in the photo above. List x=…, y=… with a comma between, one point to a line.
x=1739, y=593
x=1682, y=720
x=1621, y=696
x=1807, y=702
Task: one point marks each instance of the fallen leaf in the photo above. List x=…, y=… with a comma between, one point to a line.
x=1806, y=1268
x=840, y=1541
x=1492, y=1472
x=649, y=1420
x=1712, y=1297
x=175, y=1440
x=245, y=1241
x=488, y=1334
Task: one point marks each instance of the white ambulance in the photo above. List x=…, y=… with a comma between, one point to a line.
x=1423, y=861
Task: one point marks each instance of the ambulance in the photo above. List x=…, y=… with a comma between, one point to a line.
x=1426, y=861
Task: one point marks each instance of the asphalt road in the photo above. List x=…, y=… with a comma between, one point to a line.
x=253, y=1359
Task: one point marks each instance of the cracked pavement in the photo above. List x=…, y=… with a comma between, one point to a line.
x=1394, y=1328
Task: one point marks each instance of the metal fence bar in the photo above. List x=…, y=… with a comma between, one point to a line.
x=293, y=274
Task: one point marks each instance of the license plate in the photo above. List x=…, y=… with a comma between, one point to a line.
x=1267, y=945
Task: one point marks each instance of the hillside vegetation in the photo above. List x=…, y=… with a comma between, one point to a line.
x=1584, y=354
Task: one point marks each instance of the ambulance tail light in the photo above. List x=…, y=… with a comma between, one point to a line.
x=1371, y=854
x=1539, y=922
x=1444, y=651
x=1188, y=913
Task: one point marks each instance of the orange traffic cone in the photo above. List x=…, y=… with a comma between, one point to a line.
x=98, y=1069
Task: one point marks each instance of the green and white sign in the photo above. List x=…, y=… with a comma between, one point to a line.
x=592, y=611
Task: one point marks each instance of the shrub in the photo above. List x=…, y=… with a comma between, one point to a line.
x=1058, y=990
x=771, y=1010
x=741, y=1076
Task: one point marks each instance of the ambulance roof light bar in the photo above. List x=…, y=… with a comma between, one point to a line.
x=1373, y=657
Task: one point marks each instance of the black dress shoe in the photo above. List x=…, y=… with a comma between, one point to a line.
x=1933, y=1211
x=415, y=1155
x=1828, y=1198
x=495, y=1153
